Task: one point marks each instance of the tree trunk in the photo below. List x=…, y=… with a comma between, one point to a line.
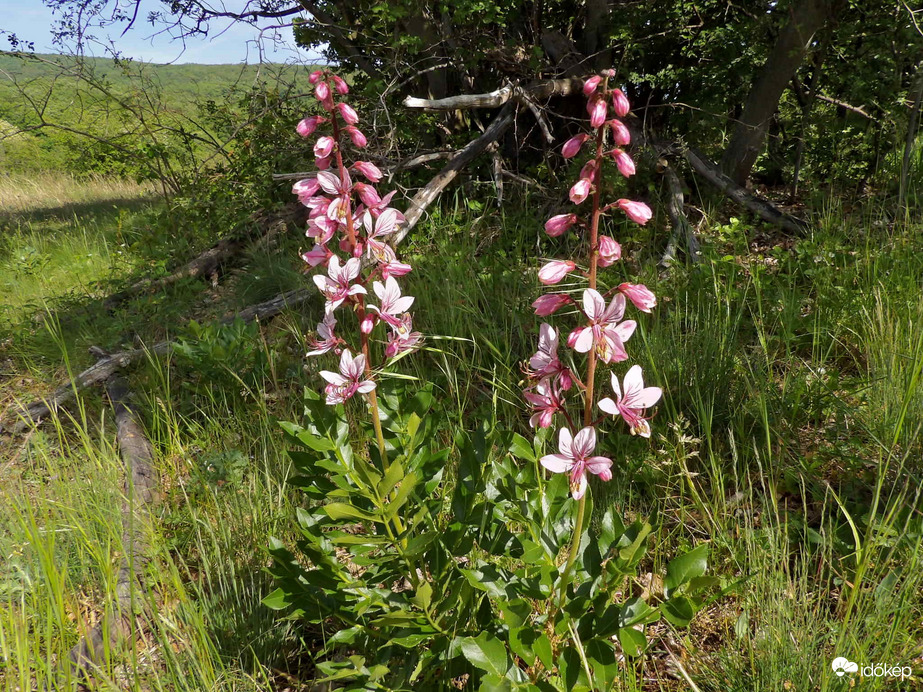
x=786, y=56
x=916, y=93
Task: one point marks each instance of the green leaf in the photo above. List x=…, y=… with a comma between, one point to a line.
x=633, y=641
x=685, y=567
x=632, y=553
x=277, y=600
x=423, y=596
x=678, y=610
x=521, y=642
x=392, y=478
x=340, y=510
x=487, y=653
x=403, y=493
x=521, y=448
x=495, y=683
x=542, y=649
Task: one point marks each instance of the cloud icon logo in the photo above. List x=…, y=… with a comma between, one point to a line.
x=841, y=666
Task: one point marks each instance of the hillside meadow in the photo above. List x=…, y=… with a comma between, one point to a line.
x=788, y=430
x=785, y=453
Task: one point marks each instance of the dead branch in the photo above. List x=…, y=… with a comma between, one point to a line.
x=391, y=169
x=499, y=97
x=762, y=208
x=207, y=264
x=428, y=194
x=681, y=225
x=805, y=95
x=140, y=492
x=106, y=367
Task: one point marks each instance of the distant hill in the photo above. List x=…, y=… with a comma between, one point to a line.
x=174, y=91
x=181, y=84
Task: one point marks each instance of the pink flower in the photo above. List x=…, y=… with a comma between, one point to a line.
x=348, y=113
x=590, y=171
x=322, y=163
x=572, y=146
x=590, y=85
x=324, y=147
x=632, y=404
x=623, y=161
x=327, y=340
x=638, y=212
x=554, y=271
x=322, y=91
x=580, y=190
x=620, y=134
x=315, y=76
x=576, y=457
x=341, y=86
x=597, y=109
x=306, y=126
x=319, y=254
x=306, y=189
x=620, y=103
x=550, y=304
x=336, y=285
x=332, y=184
x=639, y=294
x=609, y=251
x=356, y=136
x=403, y=338
x=545, y=362
x=393, y=304
x=369, y=170
x=348, y=381
x=558, y=225
x=605, y=334
x=546, y=401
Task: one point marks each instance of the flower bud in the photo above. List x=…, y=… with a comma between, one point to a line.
x=318, y=255
x=597, y=109
x=324, y=147
x=620, y=103
x=340, y=84
x=572, y=146
x=315, y=76
x=305, y=189
x=580, y=191
x=306, y=126
x=590, y=85
x=554, y=271
x=348, y=113
x=322, y=91
x=620, y=134
x=558, y=225
x=549, y=304
x=609, y=251
x=369, y=170
x=639, y=294
x=357, y=137
x=623, y=161
x=638, y=212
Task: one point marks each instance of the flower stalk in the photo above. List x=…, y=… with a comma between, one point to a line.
x=604, y=332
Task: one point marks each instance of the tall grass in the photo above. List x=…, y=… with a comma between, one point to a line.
x=788, y=438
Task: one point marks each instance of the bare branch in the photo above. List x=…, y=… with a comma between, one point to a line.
x=497, y=98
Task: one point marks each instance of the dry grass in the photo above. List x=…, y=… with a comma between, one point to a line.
x=22, y=194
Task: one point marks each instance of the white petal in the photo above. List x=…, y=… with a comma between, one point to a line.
x=608, y=406
x=365, y=387
x=593, y=304
x=556, y=463
x=585, y=341
x=333, y=377
x=565, y=443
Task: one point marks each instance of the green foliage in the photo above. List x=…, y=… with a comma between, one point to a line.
x=427, y=585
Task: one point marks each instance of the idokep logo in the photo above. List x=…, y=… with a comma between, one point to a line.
x=841, y=666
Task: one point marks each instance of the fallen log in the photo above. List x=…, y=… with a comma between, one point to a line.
x=765, y=210
x=681, y=226
x=117, y=624
x=32, y=414
x=428, y=194
x=207, y=263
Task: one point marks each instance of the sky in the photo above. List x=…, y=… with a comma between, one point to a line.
x=228, y=41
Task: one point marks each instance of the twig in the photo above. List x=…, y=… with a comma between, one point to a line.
x=499, y=97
